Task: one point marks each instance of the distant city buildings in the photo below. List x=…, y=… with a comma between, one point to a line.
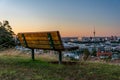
x=68, y=39
x=105, y=46
x=91, y=39
x=112, y=38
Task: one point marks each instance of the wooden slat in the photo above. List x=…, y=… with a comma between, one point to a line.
x=37, y=38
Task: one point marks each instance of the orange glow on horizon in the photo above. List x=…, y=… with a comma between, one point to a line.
x=68, y=32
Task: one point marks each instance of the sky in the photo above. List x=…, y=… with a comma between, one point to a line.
x=70, y=17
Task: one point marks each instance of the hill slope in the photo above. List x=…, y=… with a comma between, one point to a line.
x=20, y=67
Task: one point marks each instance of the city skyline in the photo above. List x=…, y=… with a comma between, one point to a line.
x=70, y=17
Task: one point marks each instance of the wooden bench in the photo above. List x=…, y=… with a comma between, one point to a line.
x=50, y=40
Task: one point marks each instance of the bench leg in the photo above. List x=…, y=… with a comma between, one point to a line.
x=60, y=57
x=33, y=58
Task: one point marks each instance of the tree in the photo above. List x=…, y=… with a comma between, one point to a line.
x=6, y=34
x=94, y=52
x=86, y=54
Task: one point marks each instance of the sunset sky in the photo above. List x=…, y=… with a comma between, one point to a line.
x=70, y=17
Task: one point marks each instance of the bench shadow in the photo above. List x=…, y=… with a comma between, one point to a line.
x=65, y=62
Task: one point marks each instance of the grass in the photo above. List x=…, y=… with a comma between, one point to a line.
x=19, y=66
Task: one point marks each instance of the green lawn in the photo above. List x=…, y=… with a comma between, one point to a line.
x=23, y=68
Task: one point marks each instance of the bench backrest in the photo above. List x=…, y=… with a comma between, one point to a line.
x=50, y=40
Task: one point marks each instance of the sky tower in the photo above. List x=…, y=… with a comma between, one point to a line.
x=94, y=39
x=94, y=33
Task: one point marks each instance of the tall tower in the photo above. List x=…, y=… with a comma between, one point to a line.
x=94, y=33
x=94, y=50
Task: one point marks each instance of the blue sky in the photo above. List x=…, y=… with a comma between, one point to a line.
x=70, y=17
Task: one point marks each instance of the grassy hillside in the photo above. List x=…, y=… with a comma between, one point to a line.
x=15, y=65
